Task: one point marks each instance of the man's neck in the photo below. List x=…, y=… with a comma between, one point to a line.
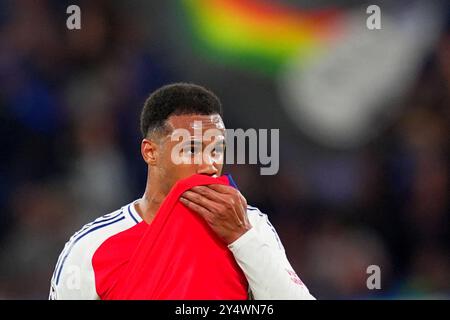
x=150, y=202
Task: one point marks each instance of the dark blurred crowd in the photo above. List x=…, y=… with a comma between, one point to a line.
x=69, y=116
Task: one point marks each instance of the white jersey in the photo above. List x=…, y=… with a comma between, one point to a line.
x=258, y=252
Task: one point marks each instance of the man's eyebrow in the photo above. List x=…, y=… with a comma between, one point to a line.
x=194, y=141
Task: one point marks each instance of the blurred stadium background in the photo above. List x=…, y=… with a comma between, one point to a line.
x=363, y=118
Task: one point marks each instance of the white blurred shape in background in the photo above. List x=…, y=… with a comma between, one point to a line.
x=349, y=93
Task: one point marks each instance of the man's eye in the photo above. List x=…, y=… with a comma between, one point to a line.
x=191, y=150
x=218, y=150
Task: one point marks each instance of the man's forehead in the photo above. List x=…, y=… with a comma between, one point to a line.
x=193, y=122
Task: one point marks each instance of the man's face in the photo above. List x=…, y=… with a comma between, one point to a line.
x=195, y=145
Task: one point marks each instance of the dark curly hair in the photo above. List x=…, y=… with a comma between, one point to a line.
x=176, y=99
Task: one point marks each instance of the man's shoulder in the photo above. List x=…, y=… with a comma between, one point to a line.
x=104, y=226
x=260, y=221
x=82, y=245
x=255, y=215
x=257, y=218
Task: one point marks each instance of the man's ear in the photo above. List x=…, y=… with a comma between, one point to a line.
x=149, y=151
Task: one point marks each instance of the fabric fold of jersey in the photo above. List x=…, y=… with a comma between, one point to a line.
x=176, y=257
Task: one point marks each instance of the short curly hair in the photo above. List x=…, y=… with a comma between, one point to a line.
x=177, y=99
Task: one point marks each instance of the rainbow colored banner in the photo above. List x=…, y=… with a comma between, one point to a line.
x=259, y=34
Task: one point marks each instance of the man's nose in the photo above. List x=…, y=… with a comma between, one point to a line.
x=207, y=167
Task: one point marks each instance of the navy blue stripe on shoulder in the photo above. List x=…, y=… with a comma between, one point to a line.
x=75, y=240
x=254, y=209
x=105, y=218
x=271, y=227
x=131, y=214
